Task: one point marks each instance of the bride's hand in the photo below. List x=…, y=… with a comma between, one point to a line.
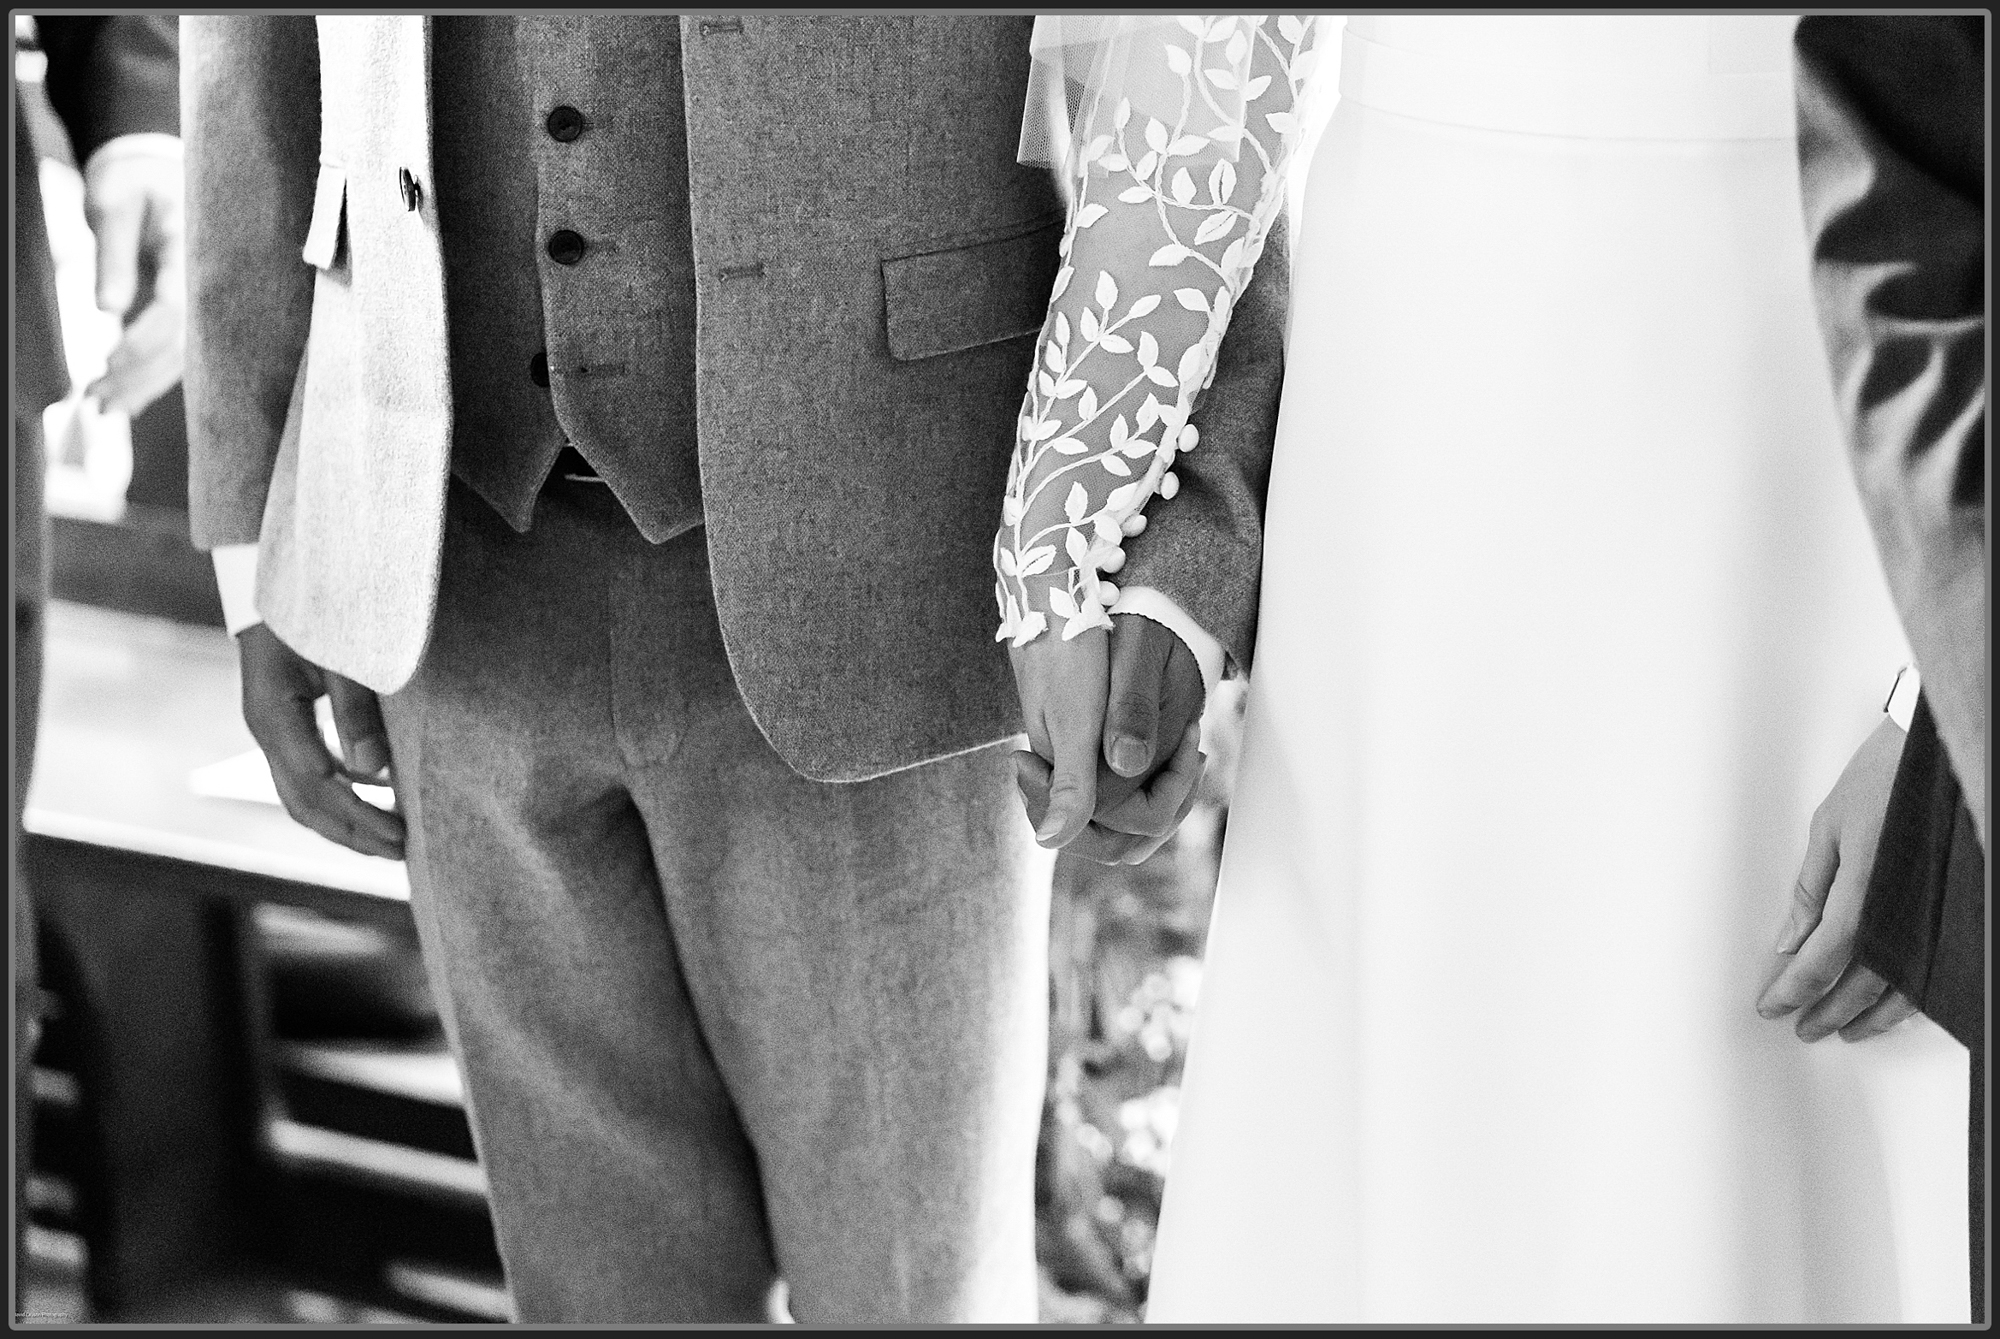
x=1062, y=686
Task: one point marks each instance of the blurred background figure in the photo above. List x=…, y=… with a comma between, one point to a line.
x=113, y=84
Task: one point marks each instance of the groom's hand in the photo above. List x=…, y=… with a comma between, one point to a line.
x=1116, y=736
x=280, y=690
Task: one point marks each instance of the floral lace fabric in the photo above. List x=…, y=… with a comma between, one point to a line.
x=1179, y=132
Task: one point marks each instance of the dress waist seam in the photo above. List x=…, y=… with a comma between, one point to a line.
x=1747, y=105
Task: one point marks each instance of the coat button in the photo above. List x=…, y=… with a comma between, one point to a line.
x=407, y=187
x=564, y=124
x=565, y=247
x=538, y=369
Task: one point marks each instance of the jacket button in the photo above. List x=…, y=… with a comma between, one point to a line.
x=565, y=247
x=565, y=124
x=408, y=187
x=538, y=369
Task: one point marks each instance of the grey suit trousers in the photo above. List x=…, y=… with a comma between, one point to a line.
x=718, y=1024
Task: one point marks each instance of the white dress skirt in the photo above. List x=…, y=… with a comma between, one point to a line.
x=1569, y=619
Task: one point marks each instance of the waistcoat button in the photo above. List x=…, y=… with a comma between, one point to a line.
x=565, y=124
x=565, y=247
x=538, y=369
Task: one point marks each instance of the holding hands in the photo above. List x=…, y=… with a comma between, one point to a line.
x=1114, y=725
x=1172, y=136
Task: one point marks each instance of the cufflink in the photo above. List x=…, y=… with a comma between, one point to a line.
x=1902, y=703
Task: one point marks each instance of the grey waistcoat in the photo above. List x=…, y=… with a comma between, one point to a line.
x=569, y=270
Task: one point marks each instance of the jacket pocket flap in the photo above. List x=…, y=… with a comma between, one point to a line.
x=323, y=238
x=959, y=298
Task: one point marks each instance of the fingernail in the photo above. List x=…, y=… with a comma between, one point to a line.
x=1128, y=755
x=1790, y=935
x=1051, y=825
x=371, y=755
x=1770, y=1007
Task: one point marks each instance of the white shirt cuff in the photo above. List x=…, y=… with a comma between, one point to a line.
x=1149, y=602
x=152, y=143
x=1902, y=703
x=236, y=580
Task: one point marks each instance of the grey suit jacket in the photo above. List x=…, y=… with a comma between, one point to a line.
x=871, y=265
x=1892, y=116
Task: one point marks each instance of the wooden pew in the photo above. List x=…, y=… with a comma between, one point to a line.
x=201, y=1142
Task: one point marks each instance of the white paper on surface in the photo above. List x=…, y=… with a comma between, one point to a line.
x=247, y=775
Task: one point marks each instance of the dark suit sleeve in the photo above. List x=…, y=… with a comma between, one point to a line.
x=112, y=75
x=1923, y=921
x=1892, y=116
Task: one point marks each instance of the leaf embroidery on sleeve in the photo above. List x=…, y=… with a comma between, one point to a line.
x=1167, y=219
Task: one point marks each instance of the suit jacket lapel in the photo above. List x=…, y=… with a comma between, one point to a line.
x=375, y=90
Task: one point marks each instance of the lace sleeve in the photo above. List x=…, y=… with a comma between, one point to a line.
x=1173, y=135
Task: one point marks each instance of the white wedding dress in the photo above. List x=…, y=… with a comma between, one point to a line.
x=1569, y=618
